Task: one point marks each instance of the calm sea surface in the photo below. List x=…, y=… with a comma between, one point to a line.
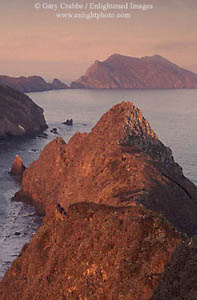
x=171, y=113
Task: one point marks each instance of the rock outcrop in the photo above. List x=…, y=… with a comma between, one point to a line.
x=19, y=115
x=68, y=122
x=94, y=252
x=119, y=71
x=58, y=85
x=120, y=163
x=31, y=84
x=115, y=242
x=17, y=167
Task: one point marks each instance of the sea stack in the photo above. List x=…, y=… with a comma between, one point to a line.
x=17, y=167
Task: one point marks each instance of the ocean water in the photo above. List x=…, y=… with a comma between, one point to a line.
x=171, y=113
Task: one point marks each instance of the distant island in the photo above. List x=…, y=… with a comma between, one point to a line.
x=125, y=72
x=31, y=84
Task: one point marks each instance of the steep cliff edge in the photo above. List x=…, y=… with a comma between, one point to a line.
x=119, y=71
x=120, y=163
x=94, y=252
x=19, y=115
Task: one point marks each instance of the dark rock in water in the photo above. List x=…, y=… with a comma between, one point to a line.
x=54, y=130
x=17, y=167
x=19, y=115
x=17, y=233
x=68, y=122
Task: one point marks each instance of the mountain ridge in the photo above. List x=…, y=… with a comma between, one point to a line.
x=119, y=71
x=31, y=83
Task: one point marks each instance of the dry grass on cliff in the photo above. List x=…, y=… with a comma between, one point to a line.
x=95, y=252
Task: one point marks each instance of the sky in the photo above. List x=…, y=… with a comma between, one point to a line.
x=35, y=41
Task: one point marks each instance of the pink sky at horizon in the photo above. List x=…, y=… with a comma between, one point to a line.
x=36, y=42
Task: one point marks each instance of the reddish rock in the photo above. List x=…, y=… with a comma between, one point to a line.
x=94, y=252
x=113, y=244
x=119, y=71
x=120, y=163
x=17, y=167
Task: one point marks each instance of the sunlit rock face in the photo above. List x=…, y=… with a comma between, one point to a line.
x=95, y=251
x=120, y=162
x=119, y=71
x=108, y=197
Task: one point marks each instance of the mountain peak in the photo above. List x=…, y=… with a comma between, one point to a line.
x=119, y=71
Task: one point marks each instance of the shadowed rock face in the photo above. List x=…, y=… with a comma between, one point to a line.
x=19, y=115
x=94, y=252
x=120, y=163
x=119, y=71
x=179, y=278
x=31, y=84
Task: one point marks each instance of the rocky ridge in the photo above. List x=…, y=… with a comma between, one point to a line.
x=95, y=252
x=125, y=72
x=31, y=84
x=115, y=203
x=119, y=163
x=19, y=115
